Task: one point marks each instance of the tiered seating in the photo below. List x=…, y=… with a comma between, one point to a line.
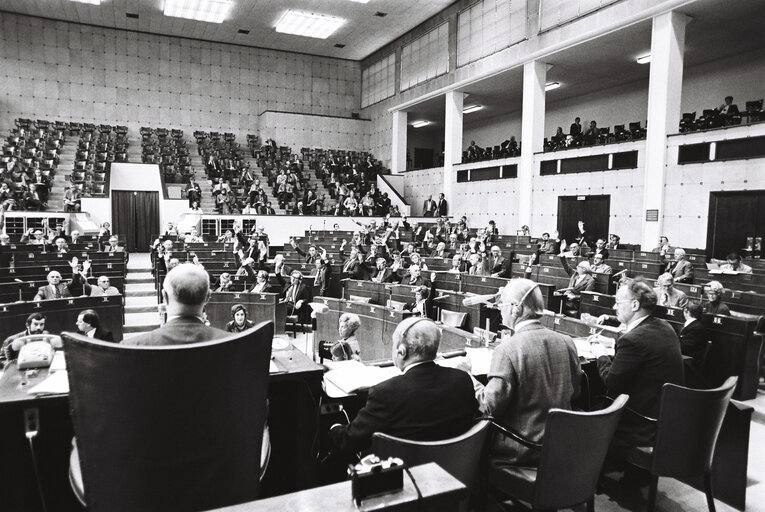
x=168, y=149
x=97, y=148
x=30, y=146
x=224, y=159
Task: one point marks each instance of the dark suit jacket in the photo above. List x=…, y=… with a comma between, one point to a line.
x=442, y=208
x=646, y=358
x=103, y=335
x=502, y=266
x=427, y=403
x=693, y=340
x=178, y=331
x=384, y=276
x=681, y=270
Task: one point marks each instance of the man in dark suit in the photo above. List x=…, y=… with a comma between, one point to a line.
x=296, y=297
x=89, y=324
x=55, y=289
x=185, y=291
x=381, y=274
x=680, y=268
x=442, y=207
x=693, y=343
x=499, y=265
x=427, y=403
x=647, y=356
x=352, y=266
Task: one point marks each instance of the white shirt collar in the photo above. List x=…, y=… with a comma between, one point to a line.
x=91, y=333
x=524, y=323
x=689, y=322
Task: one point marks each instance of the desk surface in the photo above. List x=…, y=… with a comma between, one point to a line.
x=439, y=489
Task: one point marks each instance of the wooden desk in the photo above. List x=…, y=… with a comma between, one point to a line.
x=261, y=307
x=293, y=396
x=440, y=492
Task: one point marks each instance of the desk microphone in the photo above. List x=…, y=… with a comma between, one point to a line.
x=620, y=273
x=479, y=299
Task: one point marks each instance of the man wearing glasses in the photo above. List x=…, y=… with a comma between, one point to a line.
x=647, y=356
x=535, y=370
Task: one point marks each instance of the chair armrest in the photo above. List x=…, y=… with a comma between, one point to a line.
x=515, y=436
x=643, y=417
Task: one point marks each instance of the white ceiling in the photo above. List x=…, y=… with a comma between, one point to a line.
x=362, y=35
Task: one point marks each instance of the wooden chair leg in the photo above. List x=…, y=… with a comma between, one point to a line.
x=708, y=490
x=652, y=493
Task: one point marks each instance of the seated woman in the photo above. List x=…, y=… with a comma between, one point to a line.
x=347, y=347
x=239, y=322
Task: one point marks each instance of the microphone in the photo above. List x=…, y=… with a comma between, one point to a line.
x=620, y=273
x=479, y=299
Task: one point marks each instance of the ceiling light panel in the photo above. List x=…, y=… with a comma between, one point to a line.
x=472, y=108
x=644, y=59
x=91, y=2
x=360, y=1
x=211, y=11
x=549, y=86
x=308, y=24
x=420, y=124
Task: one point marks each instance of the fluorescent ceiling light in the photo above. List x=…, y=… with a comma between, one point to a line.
x=644, y=59
x=360, y=1
x=472, y=108
x=420, y=124
x=91, y=2
x=212, y=11
x=308, y=24
x=549, y=86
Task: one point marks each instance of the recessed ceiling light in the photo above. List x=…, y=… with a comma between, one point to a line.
x=339, y=45
x=308, y=24
x=420, y=124
x=91, y=2
x=360, y=1
x=472, y=108
x=549, y=86
x=212, y=11
x=243, y=31
x=644, y=59
x=131, y=15
x=381, y=14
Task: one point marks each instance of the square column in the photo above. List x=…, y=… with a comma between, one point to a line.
x=398, y=145
x=452, y=142
x=532, y=134
x=664, y=92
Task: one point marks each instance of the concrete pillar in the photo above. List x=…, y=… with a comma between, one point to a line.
x=532, y=135
x=664, y=94
x=452, y=141
x=398, y=145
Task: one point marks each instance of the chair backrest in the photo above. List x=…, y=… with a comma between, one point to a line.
x=452, y=318
x=359, y=298
x=568, y=471
x=460, y=456
x=689, y=422
x=395, y=304
x=169, y=427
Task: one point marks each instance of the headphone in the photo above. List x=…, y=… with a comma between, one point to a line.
x=419, y=320
x=517, y=306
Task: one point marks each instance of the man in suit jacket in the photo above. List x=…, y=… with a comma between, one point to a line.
x=352, y=266
x=427, y=403
x=185, y=292
x=297, y=296
x=666, y=293
x=89, y=324
x=262, y=285
x=381, y=274
x=581, y=281
x=428, y=207
x=647, y=356
x=323, y=278
x=498, y=264
x=442, y=207
x=55, y=289
x=680, y=268
x=694, y=341
x=114, y=245
x=545, y=364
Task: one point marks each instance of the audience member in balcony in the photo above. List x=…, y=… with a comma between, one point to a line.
x=666, y=293
x=599, y=266
x=680, y=268
x=367, y=205
x=429, y=207
x=72, y=199
x=33, y=201
x=591, y=134
x=42, y=184
x=442, y=207
x=663, y=248
x=267, y=209
x=559, y=139
x=7, y=198
x=714, y=292
x=350, y=205
x=473, y=152
x=734, y=264
x=575, y=130
x=193, y=191
x=728, y=108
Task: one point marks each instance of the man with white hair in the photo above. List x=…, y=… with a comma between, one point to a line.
x=427, y=403
x=185, y=291
x=667, y=294
x=581, y=281
x=114, y=245
x=532, y=372
x=680, y=268
x=55, y=289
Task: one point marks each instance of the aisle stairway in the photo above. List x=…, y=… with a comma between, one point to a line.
x=141, y=314
x=63, y=172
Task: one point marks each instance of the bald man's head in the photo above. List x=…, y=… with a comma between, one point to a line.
x=415, y=340
x=187, y=285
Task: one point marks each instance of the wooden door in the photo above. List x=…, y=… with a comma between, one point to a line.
x=734, y=217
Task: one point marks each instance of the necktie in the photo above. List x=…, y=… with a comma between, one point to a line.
x=665, y=299
x=56, y=292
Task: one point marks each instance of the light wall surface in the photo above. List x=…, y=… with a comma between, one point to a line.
x=312, y=131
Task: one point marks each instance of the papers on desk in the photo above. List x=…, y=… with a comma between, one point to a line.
x=273, y=368
x=352, y=376
x=726, y=272
x=583, y=346
x=59, y=362
x=55, y=384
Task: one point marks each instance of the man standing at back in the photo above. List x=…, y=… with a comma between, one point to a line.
x=647, y=356
x=185, y=291
x=534, y=371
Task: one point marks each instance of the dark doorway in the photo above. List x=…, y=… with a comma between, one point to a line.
x=594, y=211
x=136, y=215
x=733, y=218
x=423, y=158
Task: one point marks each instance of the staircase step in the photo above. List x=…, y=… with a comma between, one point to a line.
x=139, y=280
x=142, y=319
x=138, y=329
x=141, y=309
x=141, y=301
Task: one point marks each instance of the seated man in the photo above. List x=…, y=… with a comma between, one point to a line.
x=714, y=292
x=663, y=248
x=427, y=403
x=347, y=347
x=296, y=297
x=546, y=245
x=185, y=290
x=667, y=294
x=72, y=199
x=103, y=284
x=55, y=289
x=599, y=266
x=647, y=356
x=382, y=274
x=728, y=108
x=534, y=371
x=680, y=268
x=613, y=242
x=89, y=324
x=35, y=325
x=581, y=281
x=421, y=305
x=734, y=264
x=114, y=245
x=261, y=283
x=224, y=282
x=499, y=265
